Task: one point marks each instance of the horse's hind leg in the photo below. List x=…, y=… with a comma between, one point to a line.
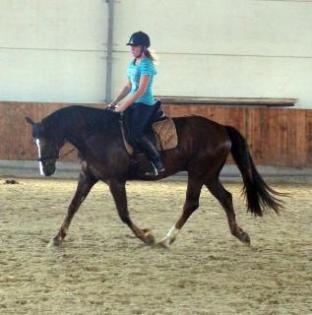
x=191, y=203
x=225, y=198
x=85, y=184
x=118, y=191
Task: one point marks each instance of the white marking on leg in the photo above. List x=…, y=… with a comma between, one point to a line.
x=39, y=156
x=170, y=237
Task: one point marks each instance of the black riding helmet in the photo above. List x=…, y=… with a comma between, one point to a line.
x=139, y=39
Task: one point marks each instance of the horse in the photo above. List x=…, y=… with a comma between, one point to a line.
x=202, y=150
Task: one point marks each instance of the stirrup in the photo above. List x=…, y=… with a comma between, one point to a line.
x=159, y=167
x=156, y=171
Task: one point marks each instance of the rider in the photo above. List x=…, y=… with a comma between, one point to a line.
x=141, y=103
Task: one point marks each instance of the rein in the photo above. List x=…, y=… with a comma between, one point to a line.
x=67, y=153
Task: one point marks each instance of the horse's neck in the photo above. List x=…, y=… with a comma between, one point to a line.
x=77, y=125
x=67, y=129
x=75, y=135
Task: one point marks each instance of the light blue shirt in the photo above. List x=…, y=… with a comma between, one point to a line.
x=135, y=71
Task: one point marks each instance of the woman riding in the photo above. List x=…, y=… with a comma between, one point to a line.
x=141, y=103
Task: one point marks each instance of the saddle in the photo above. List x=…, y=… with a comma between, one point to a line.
x=164, y=133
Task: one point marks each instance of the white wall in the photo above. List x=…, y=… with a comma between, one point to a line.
x=224, y=48
x=52, y=50
x=55, y=50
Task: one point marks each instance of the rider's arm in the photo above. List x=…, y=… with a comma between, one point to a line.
x=122, y=94
x=140, y=91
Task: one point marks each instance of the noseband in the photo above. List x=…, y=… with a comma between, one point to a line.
x=53, y=156
x=47, y=158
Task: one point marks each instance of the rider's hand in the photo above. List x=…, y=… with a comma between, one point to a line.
x=111, y=106
x=118, y=109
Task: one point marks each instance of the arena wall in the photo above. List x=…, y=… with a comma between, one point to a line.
x=276, y=136
x=55, y=51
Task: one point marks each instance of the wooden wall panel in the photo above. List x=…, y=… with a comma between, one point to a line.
x=235, y=116
x=276, y=136
x=308, y=137
x=15, y=133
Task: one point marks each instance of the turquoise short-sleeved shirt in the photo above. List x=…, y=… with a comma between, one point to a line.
x=135, y=71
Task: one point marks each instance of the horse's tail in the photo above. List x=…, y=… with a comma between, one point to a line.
x=258, y=194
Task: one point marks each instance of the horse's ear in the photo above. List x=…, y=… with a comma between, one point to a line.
x=29, y=120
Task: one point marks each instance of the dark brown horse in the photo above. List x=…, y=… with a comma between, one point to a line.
x=203, y=147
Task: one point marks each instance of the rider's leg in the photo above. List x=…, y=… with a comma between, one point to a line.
x=140, y=119
x=152, y=153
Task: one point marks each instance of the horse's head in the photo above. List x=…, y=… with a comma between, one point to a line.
x=48, y=146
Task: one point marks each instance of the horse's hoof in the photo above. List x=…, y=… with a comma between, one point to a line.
x=149, y=238
x=55, y=242
x=164, y=244
x=244, y=238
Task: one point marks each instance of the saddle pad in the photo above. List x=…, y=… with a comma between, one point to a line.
x=165, y=134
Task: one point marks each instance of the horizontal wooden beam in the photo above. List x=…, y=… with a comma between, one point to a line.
x=229, y=101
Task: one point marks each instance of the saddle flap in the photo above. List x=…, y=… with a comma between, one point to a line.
x=166, y=134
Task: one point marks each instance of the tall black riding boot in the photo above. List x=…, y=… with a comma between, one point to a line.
x=153, y=155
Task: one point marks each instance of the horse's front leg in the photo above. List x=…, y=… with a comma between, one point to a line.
x=85, y=184
x=194, y=187
x=118, y=191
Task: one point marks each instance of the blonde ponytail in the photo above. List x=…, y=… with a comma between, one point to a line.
x=151, y=55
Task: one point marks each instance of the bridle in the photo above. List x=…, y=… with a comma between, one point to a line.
x=67, y=153
x=55, y=157
x=48, y=157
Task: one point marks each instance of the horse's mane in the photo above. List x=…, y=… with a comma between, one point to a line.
x=89, y=119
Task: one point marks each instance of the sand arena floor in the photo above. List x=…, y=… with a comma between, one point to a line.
x=103, y=269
